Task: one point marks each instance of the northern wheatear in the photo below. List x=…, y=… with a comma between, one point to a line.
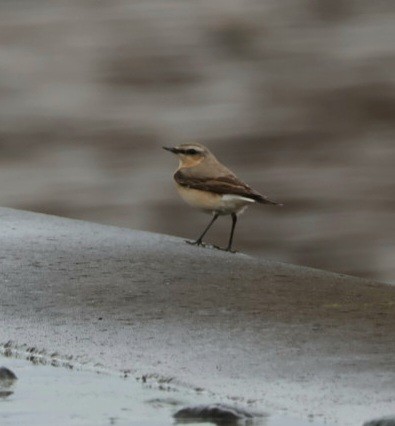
x=204, y=183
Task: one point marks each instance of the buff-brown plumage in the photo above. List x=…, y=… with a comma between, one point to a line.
x=204, y=183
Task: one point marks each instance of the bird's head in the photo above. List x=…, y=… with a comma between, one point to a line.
x=189, y=154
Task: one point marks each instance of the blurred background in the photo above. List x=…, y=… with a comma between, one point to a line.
x=296, y=96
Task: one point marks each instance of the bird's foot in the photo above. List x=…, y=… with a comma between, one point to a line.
x=200, y=243
x=196, y=243
x=230, y=250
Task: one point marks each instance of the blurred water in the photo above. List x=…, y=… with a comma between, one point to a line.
x=44, y=395
x=297, y=97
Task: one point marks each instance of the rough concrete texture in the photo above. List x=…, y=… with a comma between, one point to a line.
x=286, y=339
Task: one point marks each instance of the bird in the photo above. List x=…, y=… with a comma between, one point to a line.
x=206, y=184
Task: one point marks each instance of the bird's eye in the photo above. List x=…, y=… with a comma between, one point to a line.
x=191, y=151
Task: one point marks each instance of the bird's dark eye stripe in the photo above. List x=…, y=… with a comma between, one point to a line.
x=190, y=151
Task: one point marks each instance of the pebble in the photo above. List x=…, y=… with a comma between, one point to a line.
x=213, y=412
x=384, y=421
x=7, y=375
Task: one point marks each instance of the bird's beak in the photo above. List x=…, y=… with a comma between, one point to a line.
x=171, y=149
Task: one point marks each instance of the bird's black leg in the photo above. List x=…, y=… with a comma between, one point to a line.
x=199, y=241
x=234, y=220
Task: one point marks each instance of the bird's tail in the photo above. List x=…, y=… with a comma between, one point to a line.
x=265, y=200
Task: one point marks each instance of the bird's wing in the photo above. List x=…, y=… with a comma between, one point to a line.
x=224, y=185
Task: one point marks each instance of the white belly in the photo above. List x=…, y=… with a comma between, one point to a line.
x=211, y=202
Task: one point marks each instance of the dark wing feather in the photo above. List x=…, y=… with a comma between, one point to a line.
x=224, y=185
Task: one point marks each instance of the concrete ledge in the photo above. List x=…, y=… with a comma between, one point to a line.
x=288, y=339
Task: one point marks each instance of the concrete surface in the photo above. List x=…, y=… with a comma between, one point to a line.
x=286, y=339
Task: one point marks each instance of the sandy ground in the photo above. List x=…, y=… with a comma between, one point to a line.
x=287, y=339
